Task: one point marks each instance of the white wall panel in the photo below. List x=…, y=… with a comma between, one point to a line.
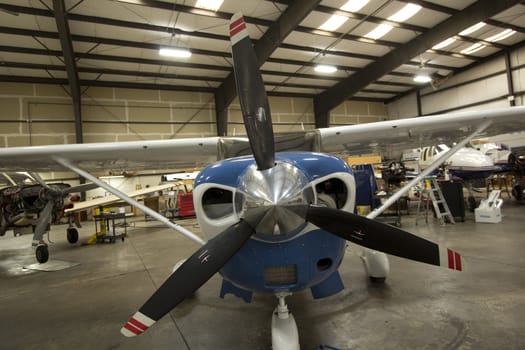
x=403, y=108
x=517, y=57
x=518, y=80
x=494, y=66
x=475, y=92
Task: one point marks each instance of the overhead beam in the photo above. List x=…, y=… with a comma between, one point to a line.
x=265, y=46
x=197, y=51
x=69, y=60
x=330, y=98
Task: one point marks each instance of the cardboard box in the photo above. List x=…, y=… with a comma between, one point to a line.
x=490, y=215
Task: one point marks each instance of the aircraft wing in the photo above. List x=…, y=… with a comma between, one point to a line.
x=383, y=137
x=78, y=206
x=398, y=135
x=113, y=156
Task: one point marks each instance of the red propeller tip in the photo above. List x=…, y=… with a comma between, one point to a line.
x=137, y=324
x=453, y=260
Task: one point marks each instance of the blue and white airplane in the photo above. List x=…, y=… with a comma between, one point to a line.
x=276, y=220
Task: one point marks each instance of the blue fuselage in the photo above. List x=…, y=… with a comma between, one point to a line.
x=289, y=261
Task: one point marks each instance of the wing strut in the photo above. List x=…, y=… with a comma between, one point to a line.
x=428, y=170
x=131, y=201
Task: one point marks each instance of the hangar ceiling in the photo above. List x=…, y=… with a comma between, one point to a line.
x=116, y=43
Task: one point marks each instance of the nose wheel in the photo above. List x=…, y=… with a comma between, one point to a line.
x=42, y=253
x=72, y=235
x=284, y=329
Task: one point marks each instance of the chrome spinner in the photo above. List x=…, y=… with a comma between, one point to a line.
x=264, y=197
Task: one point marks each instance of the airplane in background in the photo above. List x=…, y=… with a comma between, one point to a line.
x=31, y=205
x=182, y=176
x=498, y=152
x=34, y=205
x=517, y=166
x=468, y=164
x=277, y=210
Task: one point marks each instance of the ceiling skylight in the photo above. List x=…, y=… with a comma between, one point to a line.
x=212, y=5
x=379, y=31
x=354, y=5
x=402, y=15
x=472, y=29
x=405, y=13
x=500, y=36
x=473, y=48
x=443, y=44
x=333, y=23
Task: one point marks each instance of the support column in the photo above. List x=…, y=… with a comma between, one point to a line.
x=510, y=83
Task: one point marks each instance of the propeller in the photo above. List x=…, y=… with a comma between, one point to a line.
x=80, y=188
x=53, y=196
x=255, y=107
x=385, y=238
x=211, y=257
x=193, y=273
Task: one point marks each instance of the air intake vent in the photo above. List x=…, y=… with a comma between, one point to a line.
x=280, y=275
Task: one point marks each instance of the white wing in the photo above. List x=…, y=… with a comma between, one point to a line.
x=401, y=134
x=115, y=156
x=97, y=202
x=387, y=136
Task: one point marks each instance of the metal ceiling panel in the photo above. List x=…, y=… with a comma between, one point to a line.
x=118, y=40
x=261, y=9
x=396, y=35
x=455, y=4
x=362, y=47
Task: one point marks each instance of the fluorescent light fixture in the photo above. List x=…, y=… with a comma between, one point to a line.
x=422, y=78
x=443, y=44
x=473, y=48
x=473, y=28
x=503, y=35
x=405, y=13
x=379, y=31
x=333, y=22
x=354, y=5
x=212, y=5
x=111, y=177
x=175, y=52
x=322, y=68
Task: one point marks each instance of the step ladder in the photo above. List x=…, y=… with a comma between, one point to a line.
x=433, y=192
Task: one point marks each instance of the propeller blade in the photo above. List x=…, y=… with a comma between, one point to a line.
x=39, y=180
x=43, y=219
x=195, y=271
x=378, y=236
x=252, y=95
x=80, y=188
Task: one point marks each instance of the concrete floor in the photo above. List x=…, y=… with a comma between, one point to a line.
x=419, y=307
